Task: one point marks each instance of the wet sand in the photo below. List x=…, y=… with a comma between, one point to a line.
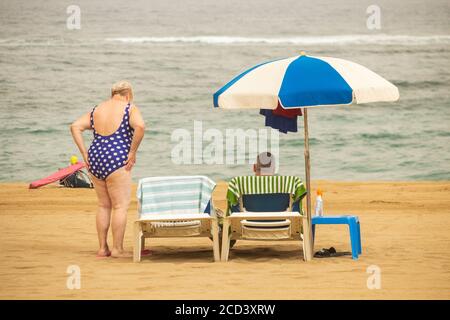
x=405, y=232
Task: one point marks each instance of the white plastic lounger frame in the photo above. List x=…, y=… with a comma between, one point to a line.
x=242, y=229
x=174, y=207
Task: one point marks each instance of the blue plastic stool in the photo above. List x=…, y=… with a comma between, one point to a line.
x=353, y=226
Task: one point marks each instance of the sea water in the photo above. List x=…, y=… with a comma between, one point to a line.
x=178, y=53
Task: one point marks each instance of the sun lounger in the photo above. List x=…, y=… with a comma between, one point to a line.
x=263, y=208
x=175, y=207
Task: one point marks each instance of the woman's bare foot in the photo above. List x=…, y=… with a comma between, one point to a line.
x=103, y=253
x=146, y=252
x=121, y=254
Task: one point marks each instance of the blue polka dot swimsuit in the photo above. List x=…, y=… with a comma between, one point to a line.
x=109, y=153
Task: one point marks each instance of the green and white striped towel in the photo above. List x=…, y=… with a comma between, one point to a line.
x=174, y=195
x=239, y=186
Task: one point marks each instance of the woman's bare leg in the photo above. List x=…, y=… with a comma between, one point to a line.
x=119, y=190
x=103, y=217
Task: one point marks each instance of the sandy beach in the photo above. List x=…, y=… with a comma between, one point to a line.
x=405, y=232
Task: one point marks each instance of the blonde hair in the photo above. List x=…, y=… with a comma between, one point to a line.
x=122, y=88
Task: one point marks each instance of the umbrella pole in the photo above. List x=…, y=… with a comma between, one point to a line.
x=307, y=226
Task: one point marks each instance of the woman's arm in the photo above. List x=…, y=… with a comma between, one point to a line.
x=77, y=128
x=137, y=123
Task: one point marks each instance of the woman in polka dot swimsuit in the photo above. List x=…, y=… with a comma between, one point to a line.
x=110, y=159
x=109, y=153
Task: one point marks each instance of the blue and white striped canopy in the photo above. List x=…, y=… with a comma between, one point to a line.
x=304, y=81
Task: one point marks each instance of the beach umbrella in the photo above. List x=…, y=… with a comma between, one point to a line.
x=304, y=82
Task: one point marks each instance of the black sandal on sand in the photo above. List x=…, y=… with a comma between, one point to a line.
x=330, y=253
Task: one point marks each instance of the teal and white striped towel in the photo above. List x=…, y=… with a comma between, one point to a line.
x=174, y=195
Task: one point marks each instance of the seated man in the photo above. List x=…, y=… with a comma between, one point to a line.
x=264, y=166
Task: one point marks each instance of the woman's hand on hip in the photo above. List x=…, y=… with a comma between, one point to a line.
x=131, y=160
x=86, y=160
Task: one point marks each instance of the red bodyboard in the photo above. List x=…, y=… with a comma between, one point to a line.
x=60, y=174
